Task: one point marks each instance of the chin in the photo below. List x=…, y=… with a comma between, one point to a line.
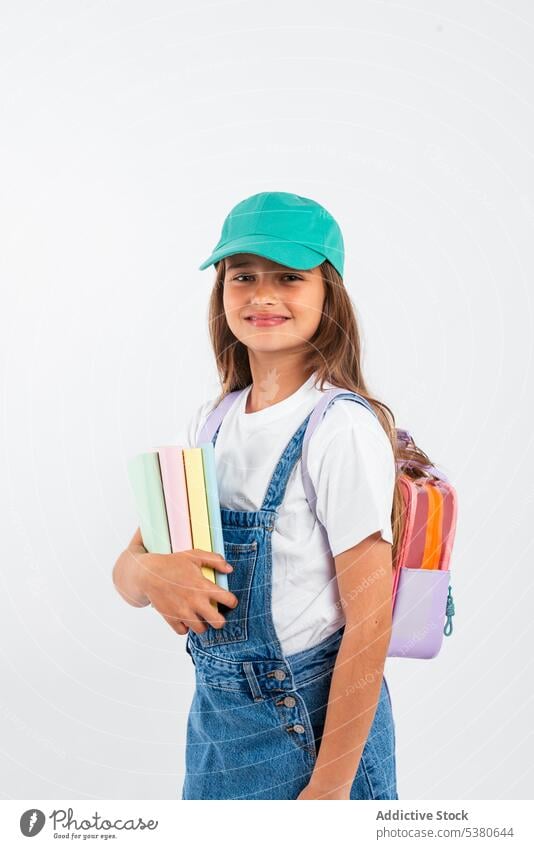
x=265, y=346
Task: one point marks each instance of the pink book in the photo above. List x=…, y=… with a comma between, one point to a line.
x=171, y=463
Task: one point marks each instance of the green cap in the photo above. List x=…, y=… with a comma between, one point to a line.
x=289, y=229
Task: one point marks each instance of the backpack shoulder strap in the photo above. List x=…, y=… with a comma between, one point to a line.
x=216, y=415
x=405, y=440
x=329, y=397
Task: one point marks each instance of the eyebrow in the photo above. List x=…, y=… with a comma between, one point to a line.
x=246, y=263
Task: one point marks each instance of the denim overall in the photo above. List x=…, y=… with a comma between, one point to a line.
x=257, y=716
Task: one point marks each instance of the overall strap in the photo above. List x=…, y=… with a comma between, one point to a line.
x=280, y=477
x=278, y=482
x=329, y=397
x=215, y=417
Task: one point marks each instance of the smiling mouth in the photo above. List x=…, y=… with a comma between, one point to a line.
x=267, y=319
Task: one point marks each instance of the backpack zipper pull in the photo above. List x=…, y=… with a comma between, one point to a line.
x=449, y=612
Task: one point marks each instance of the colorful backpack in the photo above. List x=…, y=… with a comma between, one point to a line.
x=422, y=600
x=421, y=596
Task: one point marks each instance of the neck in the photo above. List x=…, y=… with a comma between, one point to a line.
x=274, y=379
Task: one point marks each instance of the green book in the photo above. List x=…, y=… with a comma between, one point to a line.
x=145, y=479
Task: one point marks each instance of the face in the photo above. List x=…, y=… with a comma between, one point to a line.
x=254, y=285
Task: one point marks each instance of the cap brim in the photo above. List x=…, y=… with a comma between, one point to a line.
x=285, y=253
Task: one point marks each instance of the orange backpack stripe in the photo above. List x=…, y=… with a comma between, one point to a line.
x=432, y=552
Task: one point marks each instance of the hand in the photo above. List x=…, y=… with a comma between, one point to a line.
x=314, y=791
x=175, y=586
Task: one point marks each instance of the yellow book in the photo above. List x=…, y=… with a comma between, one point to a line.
x=198, y=507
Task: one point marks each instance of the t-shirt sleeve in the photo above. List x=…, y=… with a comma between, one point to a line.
x=352, y=467
x=196, y=422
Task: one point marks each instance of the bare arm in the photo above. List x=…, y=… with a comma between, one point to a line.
x=128, y=574
x=364, y=575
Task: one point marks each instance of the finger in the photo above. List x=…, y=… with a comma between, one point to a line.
x=223, y=596
x=213, y=591
x=211, y=615
x=217, y=593
x=136, y=542
x=175, y=620
x=186, y=623
x=211, y=558
x=137, y=539
x=177, y=625
x=194, y=623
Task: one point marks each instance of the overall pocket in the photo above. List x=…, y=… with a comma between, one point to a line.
x=242, y=556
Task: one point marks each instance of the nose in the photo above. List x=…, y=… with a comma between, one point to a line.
x=264, y=290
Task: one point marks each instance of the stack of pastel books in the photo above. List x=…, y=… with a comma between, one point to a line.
x=177, y=498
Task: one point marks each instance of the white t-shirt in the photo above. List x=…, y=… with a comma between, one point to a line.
x=352, y=467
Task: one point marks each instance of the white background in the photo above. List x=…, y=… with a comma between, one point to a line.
x=128, y=132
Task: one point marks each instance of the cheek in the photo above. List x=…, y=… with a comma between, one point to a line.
x=313, y=311
x=229, y=303
x=232, y=307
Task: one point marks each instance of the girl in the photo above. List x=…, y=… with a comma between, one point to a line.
x=290, y=699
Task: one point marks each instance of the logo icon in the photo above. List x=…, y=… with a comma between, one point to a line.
x=31, y=822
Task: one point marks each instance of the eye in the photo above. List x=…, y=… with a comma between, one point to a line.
x=248, y=276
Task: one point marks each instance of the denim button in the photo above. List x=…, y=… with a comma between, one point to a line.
x=299, y=729
x=279, y=674
x=289, y=701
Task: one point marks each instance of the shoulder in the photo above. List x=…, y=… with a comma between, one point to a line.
x=197, y=420
x=350, y=425
x=351, y=465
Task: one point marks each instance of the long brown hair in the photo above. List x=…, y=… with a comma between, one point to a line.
x=334, y=353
